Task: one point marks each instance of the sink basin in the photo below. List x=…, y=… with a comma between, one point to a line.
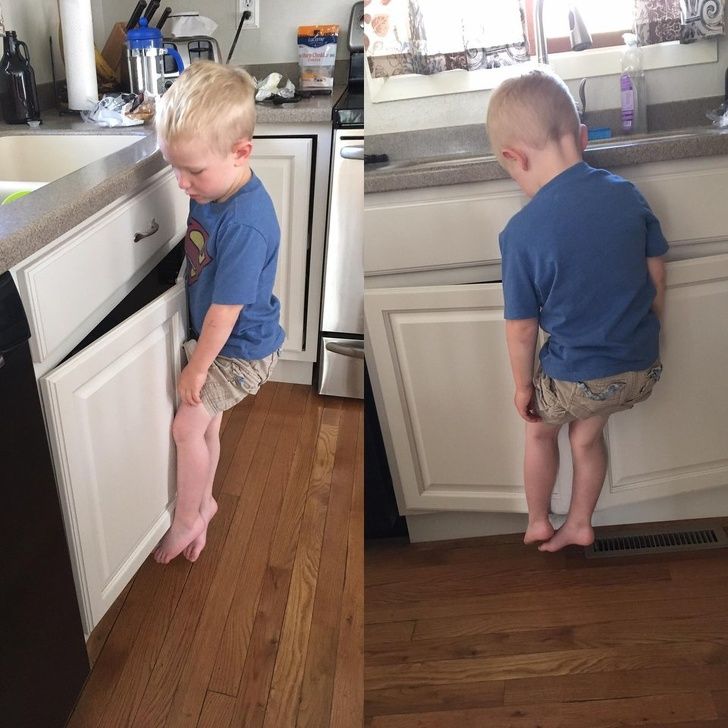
x=30, y=161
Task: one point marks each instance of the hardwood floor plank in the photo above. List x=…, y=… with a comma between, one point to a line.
x=384, y=632
x=318, y=678
x=615, y=684
x=509, y=667
x=230, y=436
x=249, y=708
x=100, y=634
x=217, y=711
x=544, y=616
x=246, y=448
x=633, y=593
x=93, y=702
x=347, y=708
x=658, y=710
x=647, y=632
x=156, y=701
x=234, y=647
x=424, y=699
x=194, y=681
x=284, y=695
x=720, y=699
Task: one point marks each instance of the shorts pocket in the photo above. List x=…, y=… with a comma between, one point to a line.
x=649, y=379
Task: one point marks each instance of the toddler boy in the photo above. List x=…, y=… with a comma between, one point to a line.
x=205, y=124
x=583, y=261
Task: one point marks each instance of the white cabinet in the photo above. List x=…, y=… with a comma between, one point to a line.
x=284, y=167
x=439, y=367
x=109, y=410
x=677, y=441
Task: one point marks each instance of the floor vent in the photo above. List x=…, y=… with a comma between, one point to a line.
x=628, y=543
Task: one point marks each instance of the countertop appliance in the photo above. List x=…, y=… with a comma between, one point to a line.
x=190, y=48
x=341, y=348
x=43, y=660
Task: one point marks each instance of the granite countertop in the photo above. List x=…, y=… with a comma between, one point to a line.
x=463, y=154
x=33, y=221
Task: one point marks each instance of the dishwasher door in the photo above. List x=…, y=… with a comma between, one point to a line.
x=43, y=661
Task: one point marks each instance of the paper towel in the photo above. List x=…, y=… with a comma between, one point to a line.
x=79, y=55
x=187, y=24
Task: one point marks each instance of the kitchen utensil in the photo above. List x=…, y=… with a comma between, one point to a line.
x=145, y=58
x=136, y=14
x=151, y=9
x=20, y=103
x=14, y=196
x=163, y=17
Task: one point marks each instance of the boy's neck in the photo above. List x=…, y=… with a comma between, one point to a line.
x=552, y=160
x=242, y=179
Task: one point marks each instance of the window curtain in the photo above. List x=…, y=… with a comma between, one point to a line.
x=657, y=21
x=430, y=36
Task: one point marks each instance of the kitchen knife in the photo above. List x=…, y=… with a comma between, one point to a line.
x=151, y=9
x=138, y=10
x=163, y=17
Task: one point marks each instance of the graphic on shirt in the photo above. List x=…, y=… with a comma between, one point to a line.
x=196, y=250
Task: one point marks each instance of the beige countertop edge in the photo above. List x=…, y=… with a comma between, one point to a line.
x=29, y=224
x=608, y=157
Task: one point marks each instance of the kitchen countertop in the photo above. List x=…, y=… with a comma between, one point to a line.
x=465, y=157
x=33, y=221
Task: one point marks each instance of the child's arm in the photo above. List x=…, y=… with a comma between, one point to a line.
x=521, y=337
x=656, y=269
x=216, y=329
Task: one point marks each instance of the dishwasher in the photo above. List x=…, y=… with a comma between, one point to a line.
x=43, y=661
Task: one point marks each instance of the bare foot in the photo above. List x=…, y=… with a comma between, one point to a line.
x=177, y=538
x=538, y=531
x=568, y=535
x=207, y=511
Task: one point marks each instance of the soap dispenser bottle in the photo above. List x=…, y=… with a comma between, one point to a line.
x=632, y=87
x=20, y=102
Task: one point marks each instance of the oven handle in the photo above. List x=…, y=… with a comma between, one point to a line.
x=355, y=350
x=352, y=152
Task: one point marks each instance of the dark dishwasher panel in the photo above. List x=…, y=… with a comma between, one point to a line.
x=43, y=660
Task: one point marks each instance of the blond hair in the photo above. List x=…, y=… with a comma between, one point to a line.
x=209, y=102
x=534, y=109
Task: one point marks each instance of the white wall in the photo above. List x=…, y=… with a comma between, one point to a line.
x=668, y=84
x=273, y=42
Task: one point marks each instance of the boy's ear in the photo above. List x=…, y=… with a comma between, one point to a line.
x=583, y=136
x=242, y=150
x=517, y=157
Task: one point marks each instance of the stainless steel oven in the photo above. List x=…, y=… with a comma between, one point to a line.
x=341, y=349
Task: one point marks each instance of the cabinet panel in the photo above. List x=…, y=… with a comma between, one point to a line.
x=677, y=441
x=438, y=227
x=444, y=392
x=109, y=412
x=63, y=299
x=284, y=166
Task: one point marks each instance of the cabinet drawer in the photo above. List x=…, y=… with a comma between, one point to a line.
x=68, y=289
x=437, y=227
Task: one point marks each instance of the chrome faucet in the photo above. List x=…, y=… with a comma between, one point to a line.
x=579, y=35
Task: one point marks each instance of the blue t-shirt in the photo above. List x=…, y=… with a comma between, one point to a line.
x=575, y=258
x=232, y=251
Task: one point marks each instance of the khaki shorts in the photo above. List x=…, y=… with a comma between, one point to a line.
x=231, y=380
x=558, y=402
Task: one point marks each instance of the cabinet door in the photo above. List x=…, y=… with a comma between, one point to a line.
x=109, y=410
x=444, y=394
x=677, y=441
x=284, y=166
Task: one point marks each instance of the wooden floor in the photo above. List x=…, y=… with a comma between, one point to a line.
x=265, y=629
x=488, y=632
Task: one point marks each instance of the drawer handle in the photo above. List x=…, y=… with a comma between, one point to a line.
x=153, y=227
x=355, y=350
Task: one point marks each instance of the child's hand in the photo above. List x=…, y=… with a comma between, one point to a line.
x=190, y=384
x=524, y=401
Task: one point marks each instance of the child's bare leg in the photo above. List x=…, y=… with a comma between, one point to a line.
x=193, y=465
x=208, y=507
x=540, y=467
x=590, y=466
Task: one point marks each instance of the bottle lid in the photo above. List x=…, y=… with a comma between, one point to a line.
x=143, y=36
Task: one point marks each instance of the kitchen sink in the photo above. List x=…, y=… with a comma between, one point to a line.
x=30, y=161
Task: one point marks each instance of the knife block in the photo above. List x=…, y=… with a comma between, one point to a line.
x=114, y=51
